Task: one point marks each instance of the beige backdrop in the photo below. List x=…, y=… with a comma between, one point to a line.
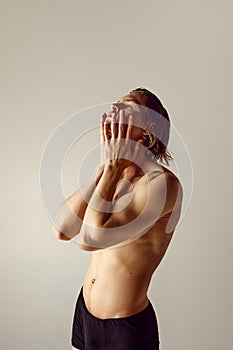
x=58, y=57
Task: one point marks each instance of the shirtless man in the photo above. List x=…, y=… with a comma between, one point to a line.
x=113, y=311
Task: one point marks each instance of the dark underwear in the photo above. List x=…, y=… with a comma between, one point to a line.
x=136, y=332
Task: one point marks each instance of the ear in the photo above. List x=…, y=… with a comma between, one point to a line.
x=150, y=139
x=142, y=137
x=154, y=141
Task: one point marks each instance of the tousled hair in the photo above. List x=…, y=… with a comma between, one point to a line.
x=150, y=100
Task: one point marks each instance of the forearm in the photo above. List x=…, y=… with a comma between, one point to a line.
x=99, y=208
x=70, y=214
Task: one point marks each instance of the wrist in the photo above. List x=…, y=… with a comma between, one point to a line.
x=115, y=167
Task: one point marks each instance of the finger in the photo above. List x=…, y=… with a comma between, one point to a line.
x=138, y=146
x=136, y=151
x=130, y=127
x=122, y=125
x=102, y=137
x=114, y=126
x=140, y=150
x=107, y=131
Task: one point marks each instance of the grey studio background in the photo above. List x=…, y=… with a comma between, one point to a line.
x=58, y=57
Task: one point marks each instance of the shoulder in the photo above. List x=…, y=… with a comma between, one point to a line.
x=173, y=183
x=160, y=181
x=171, y=179
x=167, y=187
x=174, y=192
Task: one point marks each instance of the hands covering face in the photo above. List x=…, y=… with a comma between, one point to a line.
x=122, y=143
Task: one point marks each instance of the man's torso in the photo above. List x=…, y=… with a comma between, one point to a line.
x=117, y=279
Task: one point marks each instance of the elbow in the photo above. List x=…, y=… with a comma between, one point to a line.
x=87, y=248
x=86, y=241
x=60, y=235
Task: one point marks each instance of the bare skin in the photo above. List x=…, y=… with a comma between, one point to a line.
x=117, y=279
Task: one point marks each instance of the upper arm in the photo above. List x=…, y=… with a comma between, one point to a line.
x=70, y=214
x=174, y=194
x=174, y=203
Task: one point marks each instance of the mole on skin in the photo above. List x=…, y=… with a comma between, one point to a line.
x=93, y=281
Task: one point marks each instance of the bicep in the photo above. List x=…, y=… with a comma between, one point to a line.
x=175, y=206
